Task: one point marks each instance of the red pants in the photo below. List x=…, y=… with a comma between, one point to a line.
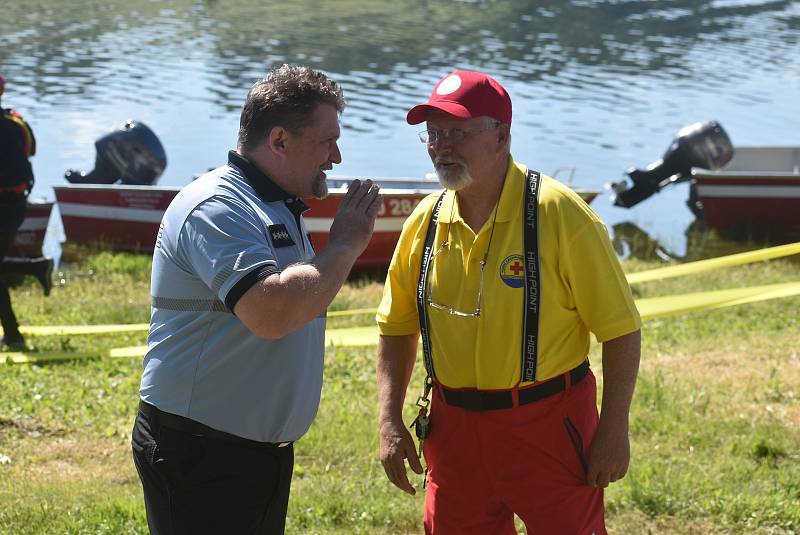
x=483, y=467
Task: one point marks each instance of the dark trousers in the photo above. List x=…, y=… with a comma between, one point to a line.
x=195, y=485
x=12, y=214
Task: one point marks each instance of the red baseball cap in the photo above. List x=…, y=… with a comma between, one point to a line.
x=465, y=94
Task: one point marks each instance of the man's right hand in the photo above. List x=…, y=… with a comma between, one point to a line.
x=355, y=220
x=285, y=301
x=397, y=446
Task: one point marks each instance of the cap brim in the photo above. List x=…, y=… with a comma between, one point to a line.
x=420, y=112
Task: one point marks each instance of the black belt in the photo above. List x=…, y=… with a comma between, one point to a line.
x=187, y=425
x=487, y=400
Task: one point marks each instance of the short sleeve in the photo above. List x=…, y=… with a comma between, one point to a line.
x=397, y=314
x=599, y=287
x=224, y=242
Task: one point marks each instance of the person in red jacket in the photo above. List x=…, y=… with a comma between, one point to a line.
x=17, y=145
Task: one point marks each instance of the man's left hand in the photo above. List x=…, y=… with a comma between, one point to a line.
x=609, y=455
x=611, y=449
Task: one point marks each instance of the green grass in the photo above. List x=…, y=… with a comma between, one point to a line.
x=715, y=423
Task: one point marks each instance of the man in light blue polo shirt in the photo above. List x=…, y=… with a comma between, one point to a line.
x=233, y=371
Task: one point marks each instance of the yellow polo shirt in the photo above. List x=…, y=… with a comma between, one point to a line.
x=583, y=288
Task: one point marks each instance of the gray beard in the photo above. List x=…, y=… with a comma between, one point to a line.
x=319, y=189
x=454, y=180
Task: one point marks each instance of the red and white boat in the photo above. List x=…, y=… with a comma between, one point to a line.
x=30, y=236
x=757, y=192
x=127, y=217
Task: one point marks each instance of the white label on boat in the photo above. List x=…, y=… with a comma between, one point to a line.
x=397, y=207
x=382, y=224
x=753, y=191
x=113, y=213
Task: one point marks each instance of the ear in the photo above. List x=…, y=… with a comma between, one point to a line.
x=277, y=140
x=503, y=136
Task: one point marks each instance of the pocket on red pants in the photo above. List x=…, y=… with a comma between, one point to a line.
x=579, y=420
x=576, y=440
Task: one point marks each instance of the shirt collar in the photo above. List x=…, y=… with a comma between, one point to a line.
x=510, y=197
x=265, y=188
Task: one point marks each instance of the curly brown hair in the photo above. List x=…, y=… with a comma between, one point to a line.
x=287, y=97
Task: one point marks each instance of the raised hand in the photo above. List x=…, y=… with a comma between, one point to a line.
x=355, y=220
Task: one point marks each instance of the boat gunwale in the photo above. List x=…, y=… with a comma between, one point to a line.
x=743, y=154
x=335, y=190
x=706, y=174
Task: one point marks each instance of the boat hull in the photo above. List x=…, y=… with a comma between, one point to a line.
x=127, y=217
x=757, y=194
x=29, y=238
x=755, y=206
x=123, y=218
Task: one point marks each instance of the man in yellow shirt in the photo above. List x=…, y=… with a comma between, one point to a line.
x=505, y=275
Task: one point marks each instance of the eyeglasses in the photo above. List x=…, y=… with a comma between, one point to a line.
x=444, y=308
x=430, y=137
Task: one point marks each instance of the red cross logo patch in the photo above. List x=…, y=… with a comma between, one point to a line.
x=512, y=271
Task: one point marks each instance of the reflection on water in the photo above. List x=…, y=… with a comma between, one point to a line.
x=596, y=85
x=630, y=241
x=698, y=243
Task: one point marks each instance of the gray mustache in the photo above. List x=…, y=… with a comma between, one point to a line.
x=439, y=161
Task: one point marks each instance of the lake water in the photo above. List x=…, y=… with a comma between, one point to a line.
x=598, y=86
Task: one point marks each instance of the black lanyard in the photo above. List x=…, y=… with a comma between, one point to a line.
x=423, y=285
x=530, y=335
x=532, y=301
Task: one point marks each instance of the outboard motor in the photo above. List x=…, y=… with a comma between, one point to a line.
x=131, y=154
x=703, y=145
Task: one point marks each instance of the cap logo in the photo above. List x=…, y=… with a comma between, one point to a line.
x=449, y=85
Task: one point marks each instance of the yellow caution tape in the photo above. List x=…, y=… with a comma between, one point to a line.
x=689, y=268
x=352, y=312
x=692, y=268
x=659, y=307
x=134, y=351
x=649, y=308
x=55, y=330
x=350, y=336
x=21, y=357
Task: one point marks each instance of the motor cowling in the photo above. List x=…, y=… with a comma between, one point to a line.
x=132, y=154
x=702, y=144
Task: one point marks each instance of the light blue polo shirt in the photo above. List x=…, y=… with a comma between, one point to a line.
x=221, y=234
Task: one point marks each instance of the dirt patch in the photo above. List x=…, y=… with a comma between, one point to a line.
x=76, y=460
x=763, y=384
x=27, y=427
x=637, y=522
x=740, y=367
